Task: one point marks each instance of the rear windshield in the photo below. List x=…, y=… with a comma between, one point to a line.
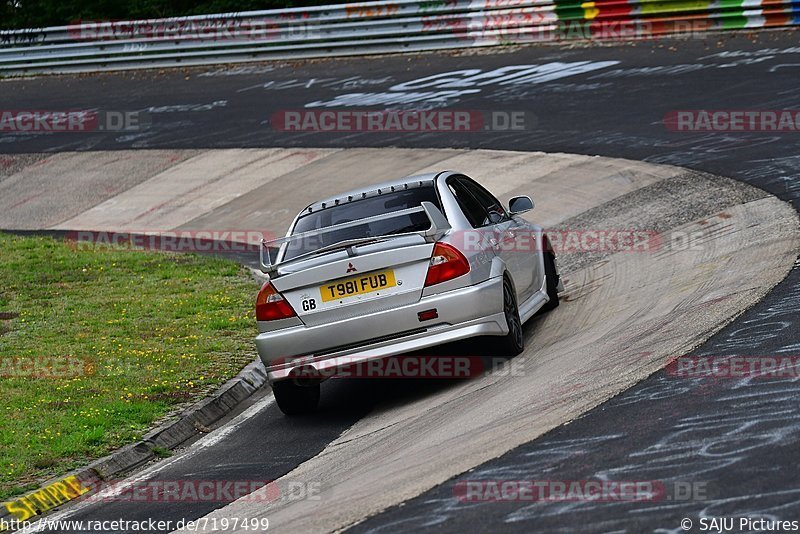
x=360, y=209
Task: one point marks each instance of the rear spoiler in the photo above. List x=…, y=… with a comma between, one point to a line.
x=439, y=226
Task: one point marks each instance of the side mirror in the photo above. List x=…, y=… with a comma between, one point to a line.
x=519, y=205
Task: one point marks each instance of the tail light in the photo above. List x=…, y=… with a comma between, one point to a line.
x=270, y=305
x=447, y=262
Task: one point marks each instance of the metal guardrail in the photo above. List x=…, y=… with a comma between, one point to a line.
x=368, y=28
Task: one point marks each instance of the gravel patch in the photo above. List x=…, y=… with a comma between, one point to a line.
x=13, y=163
x=658, y=208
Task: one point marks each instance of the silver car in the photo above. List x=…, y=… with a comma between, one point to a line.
x=394, y=268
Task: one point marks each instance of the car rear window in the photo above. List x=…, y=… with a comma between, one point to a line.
x=359, y=209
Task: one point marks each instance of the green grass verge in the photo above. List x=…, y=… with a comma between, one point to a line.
x=151, y=331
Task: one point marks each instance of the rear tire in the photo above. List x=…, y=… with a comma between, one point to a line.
x=552, y=281
x=512, y=343
x=294, y=399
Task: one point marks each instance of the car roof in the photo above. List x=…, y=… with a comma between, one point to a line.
x=418, y=180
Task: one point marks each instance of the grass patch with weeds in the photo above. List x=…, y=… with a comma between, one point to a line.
x=152, y=331
x=161, y=452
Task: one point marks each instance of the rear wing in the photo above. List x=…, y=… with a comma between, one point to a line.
x=438, y=227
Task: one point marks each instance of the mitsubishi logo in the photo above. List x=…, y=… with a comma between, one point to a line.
x=350, y=268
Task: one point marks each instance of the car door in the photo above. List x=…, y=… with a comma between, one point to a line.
x=520, y=262
x=482, y=247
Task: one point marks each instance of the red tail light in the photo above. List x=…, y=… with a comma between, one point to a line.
x=270, y=305
x=447, y=262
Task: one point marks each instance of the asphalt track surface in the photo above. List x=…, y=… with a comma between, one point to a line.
x=660, y=429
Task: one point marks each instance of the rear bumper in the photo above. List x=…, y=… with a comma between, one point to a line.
x=472, y=311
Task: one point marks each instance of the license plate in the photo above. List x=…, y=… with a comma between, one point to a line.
x=357, y=285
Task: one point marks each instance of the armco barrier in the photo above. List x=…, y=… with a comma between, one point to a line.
x=368, y=28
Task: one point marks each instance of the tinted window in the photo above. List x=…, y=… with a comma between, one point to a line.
x=489, y=203
x=472, y=210
x=360, y=209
